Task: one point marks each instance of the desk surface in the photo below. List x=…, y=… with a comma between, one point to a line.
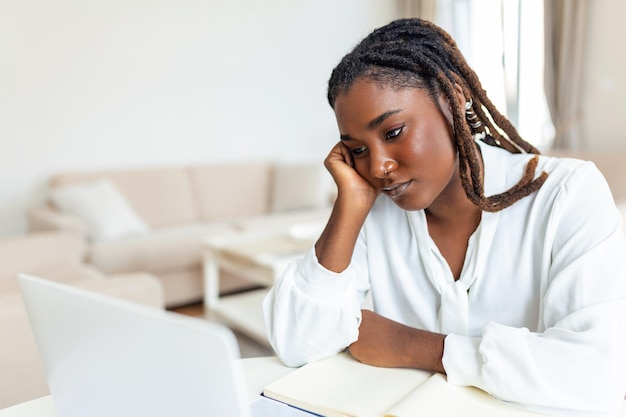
x=259, y=373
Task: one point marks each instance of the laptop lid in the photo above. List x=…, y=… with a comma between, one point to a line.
x=108, y=357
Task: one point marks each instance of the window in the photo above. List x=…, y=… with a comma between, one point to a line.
x=502, y=41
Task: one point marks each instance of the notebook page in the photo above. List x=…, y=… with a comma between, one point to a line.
x=341, y=386
x=437, y=398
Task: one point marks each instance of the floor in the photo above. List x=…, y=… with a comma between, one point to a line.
x=248, y=347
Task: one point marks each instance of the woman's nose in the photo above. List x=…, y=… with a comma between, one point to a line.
x=382, y=167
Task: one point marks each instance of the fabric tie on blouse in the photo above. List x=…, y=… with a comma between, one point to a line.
x=453, y=316
x=453, y=312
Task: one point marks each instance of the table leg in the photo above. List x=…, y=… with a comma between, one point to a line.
x=211, y=281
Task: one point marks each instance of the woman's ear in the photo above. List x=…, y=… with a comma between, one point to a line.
x=460, y=95
x=446, y=106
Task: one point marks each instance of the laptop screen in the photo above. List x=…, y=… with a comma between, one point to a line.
x=108, y=357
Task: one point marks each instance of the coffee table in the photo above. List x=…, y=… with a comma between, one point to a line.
x=259, y=257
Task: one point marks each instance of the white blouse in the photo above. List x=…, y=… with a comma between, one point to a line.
x=537, y=317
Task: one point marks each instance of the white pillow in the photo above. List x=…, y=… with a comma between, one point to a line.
x=102, y=207
x=299, y=186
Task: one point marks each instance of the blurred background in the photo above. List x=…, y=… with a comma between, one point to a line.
x=138, y=83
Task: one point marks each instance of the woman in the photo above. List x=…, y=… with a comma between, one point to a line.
x=503, y=269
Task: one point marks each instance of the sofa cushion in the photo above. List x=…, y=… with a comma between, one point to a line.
x=151, y=192
x=231, y=190
x=104, y=210
x=163, y=249
x=297, y=186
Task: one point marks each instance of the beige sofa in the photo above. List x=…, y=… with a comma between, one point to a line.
x=56, y=256
x=173, y=208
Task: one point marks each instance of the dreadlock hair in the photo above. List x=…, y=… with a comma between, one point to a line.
x=414, y=53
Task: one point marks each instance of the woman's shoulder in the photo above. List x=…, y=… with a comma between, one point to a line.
x=559, y=169
x=574, y=180
x=503, y=170
x=562, y=166
x=566, y=170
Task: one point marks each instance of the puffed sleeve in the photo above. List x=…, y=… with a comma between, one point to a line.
x=576, y=363
x=311, y=312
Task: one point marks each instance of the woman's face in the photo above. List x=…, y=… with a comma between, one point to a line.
x=400, y=142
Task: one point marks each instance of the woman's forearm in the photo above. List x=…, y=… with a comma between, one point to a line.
x=336, y=244
x=384, y=342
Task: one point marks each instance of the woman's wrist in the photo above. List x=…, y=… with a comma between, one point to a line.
x=424, y=350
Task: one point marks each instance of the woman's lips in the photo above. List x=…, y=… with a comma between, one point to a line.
x=396, y=190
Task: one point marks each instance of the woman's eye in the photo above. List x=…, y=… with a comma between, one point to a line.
x=358, y=151
x=393, y=133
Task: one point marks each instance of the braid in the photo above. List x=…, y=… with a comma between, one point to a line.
x=414, y=53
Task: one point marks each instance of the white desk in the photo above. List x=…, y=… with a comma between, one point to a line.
x=259, y=373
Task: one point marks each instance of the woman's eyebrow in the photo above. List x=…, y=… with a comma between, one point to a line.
x=375, y=122
x=378, y=120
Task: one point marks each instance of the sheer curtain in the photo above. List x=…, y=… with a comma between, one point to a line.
x=502, y=43
x=565, y=30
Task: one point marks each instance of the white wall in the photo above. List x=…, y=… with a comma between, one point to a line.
x=130, y=83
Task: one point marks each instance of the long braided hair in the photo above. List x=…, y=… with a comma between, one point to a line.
x=414, y=53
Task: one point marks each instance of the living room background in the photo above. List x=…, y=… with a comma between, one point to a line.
x=136, y=83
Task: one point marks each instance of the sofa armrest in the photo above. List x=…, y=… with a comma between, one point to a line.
x=139, y=287
x=45, y=218
x=40, y=252
x=23, y=377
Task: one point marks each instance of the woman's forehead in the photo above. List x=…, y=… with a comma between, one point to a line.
x=366, y=100
x=374, y=93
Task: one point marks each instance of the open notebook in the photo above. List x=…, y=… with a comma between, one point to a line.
x=339, y=386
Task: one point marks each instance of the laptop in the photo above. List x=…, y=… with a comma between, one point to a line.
x=108, y=357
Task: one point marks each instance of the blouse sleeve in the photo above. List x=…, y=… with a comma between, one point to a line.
x=311, y=312
x=576, y=364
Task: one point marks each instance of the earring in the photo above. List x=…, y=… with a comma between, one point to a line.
x=475, y=123
x=471, y=116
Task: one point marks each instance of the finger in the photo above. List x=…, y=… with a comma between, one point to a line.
x=347, y=156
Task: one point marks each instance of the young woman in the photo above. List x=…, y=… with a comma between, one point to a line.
x=503, y=269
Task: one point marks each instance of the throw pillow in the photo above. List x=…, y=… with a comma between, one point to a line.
x=105, y=211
